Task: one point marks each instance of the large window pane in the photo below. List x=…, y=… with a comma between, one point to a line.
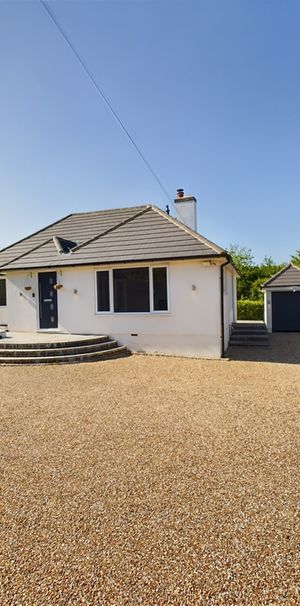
x=2, y=291
x=103, y=303
x=131, y=289
x=160, y=290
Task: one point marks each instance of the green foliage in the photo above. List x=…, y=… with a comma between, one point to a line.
x=242, y=257
x=251, y=276
x=250, y=310
x=243, y=260
x=255, y=292
x=267, y=262
x=296, y=258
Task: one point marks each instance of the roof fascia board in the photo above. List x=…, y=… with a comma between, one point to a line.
x=282, y=287
x=120, y=262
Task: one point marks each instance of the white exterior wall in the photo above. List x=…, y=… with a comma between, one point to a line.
x=3, y=314
x=229, y=297
x=268, y=309
x=21, y=306
x=186, y=212
x=192, y=327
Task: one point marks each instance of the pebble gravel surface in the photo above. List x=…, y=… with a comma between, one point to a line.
x=150, y=481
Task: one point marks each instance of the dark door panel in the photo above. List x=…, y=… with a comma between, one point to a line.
x=48, y=300
x=286, y=311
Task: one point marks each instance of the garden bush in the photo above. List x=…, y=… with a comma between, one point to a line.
x=250, y=310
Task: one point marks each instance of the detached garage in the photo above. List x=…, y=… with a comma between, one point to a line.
x=282, y=300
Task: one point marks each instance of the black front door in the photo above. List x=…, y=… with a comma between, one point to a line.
x=48, y=300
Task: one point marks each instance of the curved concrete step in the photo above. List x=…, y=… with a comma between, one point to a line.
x=103, y=354
x=6, y=344
x=57, y=351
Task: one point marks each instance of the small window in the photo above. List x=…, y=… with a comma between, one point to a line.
x=2, y=292
x=131, y=290
x=160, y=290
x=103, y=299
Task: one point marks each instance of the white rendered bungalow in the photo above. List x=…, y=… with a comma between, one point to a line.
x=136, y=274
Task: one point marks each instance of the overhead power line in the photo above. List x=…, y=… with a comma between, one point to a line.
x=104, y=98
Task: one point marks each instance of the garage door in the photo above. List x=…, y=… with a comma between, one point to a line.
x=286, y=311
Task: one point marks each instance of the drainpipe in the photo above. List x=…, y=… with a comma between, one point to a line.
x=222, y=306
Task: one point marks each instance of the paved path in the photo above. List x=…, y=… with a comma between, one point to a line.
x=284, y=349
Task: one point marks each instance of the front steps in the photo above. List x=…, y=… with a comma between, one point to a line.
x=247, y=334
x=89, y=349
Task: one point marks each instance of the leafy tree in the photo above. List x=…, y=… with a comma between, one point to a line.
x=251, y=276
x=242, y=257
x=268, y=262
x=256, y=293
x=243, y=260
x=296, y=257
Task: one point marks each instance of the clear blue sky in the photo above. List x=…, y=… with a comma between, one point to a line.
x=210, y=90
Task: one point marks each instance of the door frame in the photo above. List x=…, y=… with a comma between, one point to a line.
x=39, y=329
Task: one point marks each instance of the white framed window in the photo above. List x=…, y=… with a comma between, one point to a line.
x=3, y=301
x=160, y=288
x=103, y=291
x=132, y=290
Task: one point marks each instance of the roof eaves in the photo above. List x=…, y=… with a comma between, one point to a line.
x=229, y=258
x=191, y=232
x=39, y=231
x=157, y=259
x=28, y=252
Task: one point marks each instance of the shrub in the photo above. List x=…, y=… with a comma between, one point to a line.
x=250, y=310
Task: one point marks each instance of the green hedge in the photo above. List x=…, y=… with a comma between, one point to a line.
x=250, y=310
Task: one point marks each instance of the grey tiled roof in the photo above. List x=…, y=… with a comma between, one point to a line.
x=288, y=276
x=138, y=233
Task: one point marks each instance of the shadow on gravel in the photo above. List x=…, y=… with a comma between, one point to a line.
x=283, y=349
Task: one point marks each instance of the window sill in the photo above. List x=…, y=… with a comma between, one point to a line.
x=133, y=313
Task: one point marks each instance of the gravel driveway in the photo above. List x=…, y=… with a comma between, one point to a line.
x=150, y=481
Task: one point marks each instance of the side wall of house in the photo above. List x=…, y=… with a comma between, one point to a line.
x=3, y=315
x=268, y=309
x=191, y=327
x=229, y=297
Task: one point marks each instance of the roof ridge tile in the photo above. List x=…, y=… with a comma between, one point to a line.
x=110, y=229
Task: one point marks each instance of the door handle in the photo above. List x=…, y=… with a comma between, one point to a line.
x=47, y=300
